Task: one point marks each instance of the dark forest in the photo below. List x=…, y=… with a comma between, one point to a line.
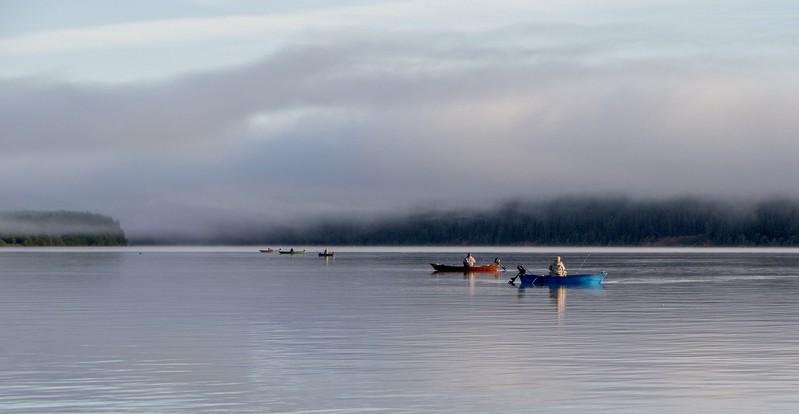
x=59, y=228
x=574, y=221
x=568, y=221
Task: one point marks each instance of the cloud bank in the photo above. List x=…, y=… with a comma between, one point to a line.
x=360, y=122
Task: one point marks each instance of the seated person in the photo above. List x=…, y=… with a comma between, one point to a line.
x=557, y=268
x=469, y=261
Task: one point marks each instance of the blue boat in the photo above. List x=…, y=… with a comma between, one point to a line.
x=571, y=280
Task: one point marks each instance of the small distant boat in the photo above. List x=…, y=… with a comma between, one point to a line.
x=494, y=267
x=292, y=251
x=267, y=250
x=592, y=279
x=327, y=254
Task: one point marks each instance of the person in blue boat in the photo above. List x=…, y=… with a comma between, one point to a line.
x=557, y=268
x=469, y=260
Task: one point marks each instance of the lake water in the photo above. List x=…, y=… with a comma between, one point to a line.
x=231, y=330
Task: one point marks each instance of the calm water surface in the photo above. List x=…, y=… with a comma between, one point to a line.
x=204, y=330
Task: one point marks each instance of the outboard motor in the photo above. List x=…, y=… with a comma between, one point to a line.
x=521, y=270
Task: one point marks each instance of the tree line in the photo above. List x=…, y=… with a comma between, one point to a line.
x=575, y=221
x=59, y=228
x=567, y=221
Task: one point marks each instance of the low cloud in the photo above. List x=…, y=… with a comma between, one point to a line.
x=363, y=125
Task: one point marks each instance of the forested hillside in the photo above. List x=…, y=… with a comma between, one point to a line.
x=576, y=222
x=59, y=228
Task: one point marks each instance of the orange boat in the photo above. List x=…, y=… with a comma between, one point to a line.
x=494, y=267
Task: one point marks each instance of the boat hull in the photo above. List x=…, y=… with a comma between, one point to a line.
x=593, y=279
x=291, y=252
x=447, y=268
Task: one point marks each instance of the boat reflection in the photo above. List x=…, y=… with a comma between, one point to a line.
x=525, y=286
x=471, y=277
x=557, y=294
x=468, y=275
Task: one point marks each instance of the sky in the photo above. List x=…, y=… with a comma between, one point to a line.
x=180, y=116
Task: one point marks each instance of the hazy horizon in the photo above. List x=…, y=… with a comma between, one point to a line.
x=214, y=114
x=676, y=216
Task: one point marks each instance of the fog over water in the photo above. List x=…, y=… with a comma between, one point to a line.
x=220, y=115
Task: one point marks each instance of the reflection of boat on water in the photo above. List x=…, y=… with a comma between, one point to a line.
x=468, y=275
x=558, y=294
x=494, y=267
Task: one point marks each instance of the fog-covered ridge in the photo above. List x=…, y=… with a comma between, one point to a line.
x=566, y=221
x=59, y=228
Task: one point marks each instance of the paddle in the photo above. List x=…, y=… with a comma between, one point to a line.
x=521, y=270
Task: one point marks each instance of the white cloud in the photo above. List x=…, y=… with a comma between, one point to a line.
x=139, y=34
x=159, y=49
x=387, y=16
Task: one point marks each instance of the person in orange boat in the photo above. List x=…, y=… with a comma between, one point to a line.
x=557, y=268
x=469, y=260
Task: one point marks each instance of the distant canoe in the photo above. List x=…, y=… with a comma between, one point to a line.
x=447, y=268
x=269, y=250
x=593, y=279
x=291, y=251
x=328, y=254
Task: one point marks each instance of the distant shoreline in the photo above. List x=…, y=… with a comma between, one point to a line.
x=568, y=221
x=505, y=253
x=59, y=228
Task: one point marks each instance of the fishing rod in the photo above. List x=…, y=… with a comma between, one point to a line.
x=581, y=265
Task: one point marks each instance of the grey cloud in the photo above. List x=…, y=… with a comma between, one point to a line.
x=384, y=125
